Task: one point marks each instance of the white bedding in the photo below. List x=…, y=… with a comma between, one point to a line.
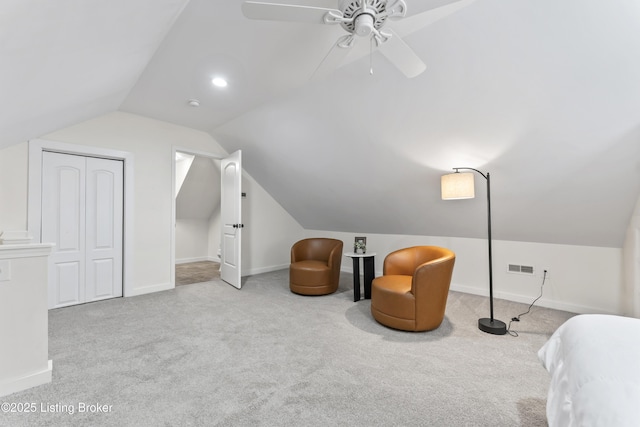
x=594, y=362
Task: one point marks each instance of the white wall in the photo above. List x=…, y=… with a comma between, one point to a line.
x=266, y=239
x=632, y=264
x=198, y=239
x=214, y=232
x=182, y=168
x=24, y=351
x=13, y=187
x=190, y=243
x=269, y=231
x=581, y=279
x=192, y=240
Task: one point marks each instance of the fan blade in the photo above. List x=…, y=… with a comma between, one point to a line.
x=333, y=59
x=415, y=7
x=286, y=12
x=401, y=55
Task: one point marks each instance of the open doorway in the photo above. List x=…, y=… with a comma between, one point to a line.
x=197, y=232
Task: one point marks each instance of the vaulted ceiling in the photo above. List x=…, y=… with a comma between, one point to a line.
x=543, y=94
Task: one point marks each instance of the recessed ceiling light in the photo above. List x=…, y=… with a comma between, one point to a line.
x=219, y=82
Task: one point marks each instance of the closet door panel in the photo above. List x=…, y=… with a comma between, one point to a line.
x=63, y=224
x=104, y=213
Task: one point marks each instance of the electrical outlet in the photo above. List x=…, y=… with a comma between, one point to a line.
x=5, y=271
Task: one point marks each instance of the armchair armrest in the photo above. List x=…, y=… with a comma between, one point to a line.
x=335, y=257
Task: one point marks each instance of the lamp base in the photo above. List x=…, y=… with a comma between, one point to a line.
x=495, y=327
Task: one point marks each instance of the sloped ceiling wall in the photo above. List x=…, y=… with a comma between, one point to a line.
x=199, y=196
x=67, y=61
x=542, y=94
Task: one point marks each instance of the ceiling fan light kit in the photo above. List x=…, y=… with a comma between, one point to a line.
x=359, y=18
x=362, y=17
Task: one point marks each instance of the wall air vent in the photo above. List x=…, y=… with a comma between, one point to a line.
x=520, y=269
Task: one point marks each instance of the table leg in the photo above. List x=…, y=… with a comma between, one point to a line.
x=356, y=279
x=369, y=272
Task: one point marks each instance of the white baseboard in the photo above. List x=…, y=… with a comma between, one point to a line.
x=149, y=289
x=197, y=259
x=542, y=302
x=27, y=381
x=261, y=270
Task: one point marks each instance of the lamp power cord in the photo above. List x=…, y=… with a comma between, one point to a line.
x=517, y=318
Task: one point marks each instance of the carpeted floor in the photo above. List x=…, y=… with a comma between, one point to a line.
x=211, y=355
x=197, y=272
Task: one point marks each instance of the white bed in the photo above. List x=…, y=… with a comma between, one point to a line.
x=594, y=362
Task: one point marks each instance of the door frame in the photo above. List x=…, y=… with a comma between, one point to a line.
x=193, y=152
x=34, y=200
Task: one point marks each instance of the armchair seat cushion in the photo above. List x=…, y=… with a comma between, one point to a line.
x=392, y=302
x=310, y=272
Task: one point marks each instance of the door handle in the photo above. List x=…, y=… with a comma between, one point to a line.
x=238, y=225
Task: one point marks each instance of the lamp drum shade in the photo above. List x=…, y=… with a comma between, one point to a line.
x=458, y=185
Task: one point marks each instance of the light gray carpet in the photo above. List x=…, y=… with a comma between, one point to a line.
x=208, y=354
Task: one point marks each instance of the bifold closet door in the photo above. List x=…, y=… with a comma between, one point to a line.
x=103, y=244
x=82, y=214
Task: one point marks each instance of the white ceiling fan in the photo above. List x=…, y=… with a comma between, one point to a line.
x=360, y=19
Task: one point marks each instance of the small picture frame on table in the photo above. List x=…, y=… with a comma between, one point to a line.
x=360, y=245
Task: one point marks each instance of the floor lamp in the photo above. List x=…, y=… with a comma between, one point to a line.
x=455, y=186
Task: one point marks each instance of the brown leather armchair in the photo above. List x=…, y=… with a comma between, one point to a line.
x=315, y=266
x=411, y=295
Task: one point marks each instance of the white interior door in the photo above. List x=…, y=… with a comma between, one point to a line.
x=63, y=223
x=103, y=229
x=82, y=214
x=231, y=213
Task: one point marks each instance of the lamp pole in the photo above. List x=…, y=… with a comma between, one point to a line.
x=489, y=325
